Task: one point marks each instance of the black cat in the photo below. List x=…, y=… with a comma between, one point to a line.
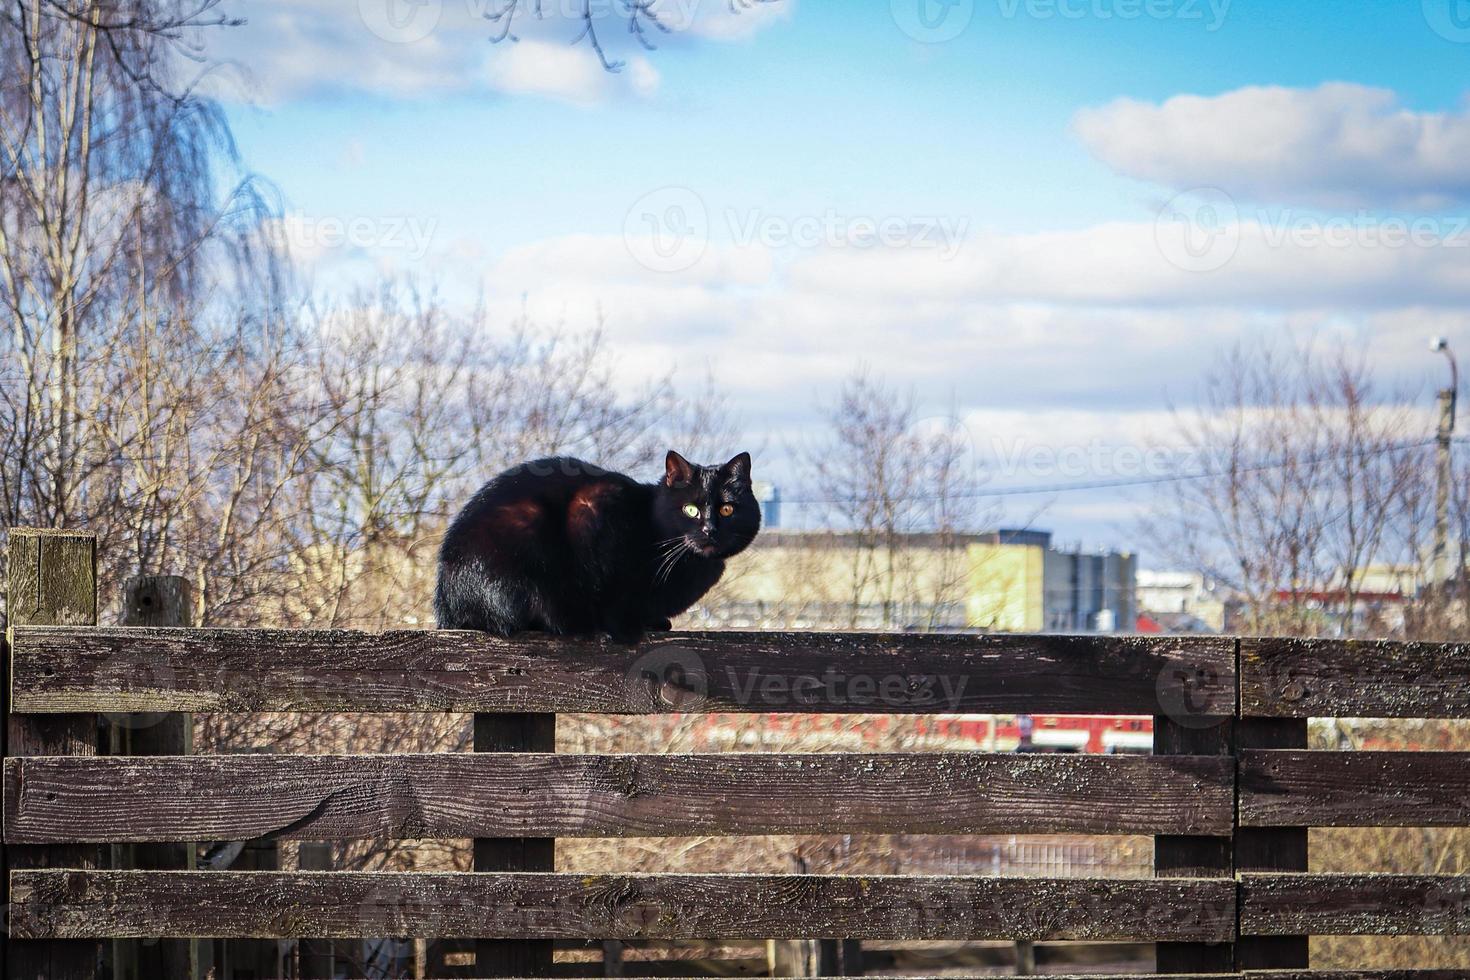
x=561, y=546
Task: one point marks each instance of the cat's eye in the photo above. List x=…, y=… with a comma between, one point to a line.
x=690, y=510
x=727, y=510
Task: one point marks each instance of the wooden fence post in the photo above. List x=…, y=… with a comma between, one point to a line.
x=840, y=957
x=155, y=600
x=52, y=581
x=514, y=733
x=314, y=956
x=1193, y=732
x=1271, y=848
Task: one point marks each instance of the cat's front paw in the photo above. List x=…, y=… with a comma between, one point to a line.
x=660, y=625
x=628, y=635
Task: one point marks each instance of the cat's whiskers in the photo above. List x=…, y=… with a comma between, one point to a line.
x=671, y=559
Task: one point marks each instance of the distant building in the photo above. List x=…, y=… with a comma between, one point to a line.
x=1181, y=602
x=768, y=495
x=1002, y=581
x=1089, y=591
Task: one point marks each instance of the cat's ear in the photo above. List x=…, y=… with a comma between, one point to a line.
x=677, y=469
x=738, y=469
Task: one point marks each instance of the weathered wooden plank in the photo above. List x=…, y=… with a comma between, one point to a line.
x=1354, y=904
x=51, y=579
x=572, y=906
x=1248, y=975
x=154, y=600
x=501, y=734
x=1309, y=678
x=545, y=795
x=1185, y=853
x=1352, y=975
x=1354, y=789
x=1271, y=849
x=443, y=670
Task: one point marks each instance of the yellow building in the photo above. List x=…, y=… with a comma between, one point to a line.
x=826, y=580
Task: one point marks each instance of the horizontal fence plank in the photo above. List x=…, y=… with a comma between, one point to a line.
x=1316, y=678
x=120, y=669
x=1349, y=975
x=1354, y=905
x=265, y=905
x=443, y=795
x=1247, y=975
x=1354, y=789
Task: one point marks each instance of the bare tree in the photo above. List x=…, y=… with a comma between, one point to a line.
x=109, y=210
x=880, y=478
x=1311, y=492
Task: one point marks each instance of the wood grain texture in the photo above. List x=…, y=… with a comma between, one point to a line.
x=544, y=795
x=155, y=600
x=500, y=734
x=1271, y=849
x=572, y=906
x=51, y=579
x=1192, y=854
x=1310, y=678
x=1352, y=975
x=120, y=669
x=1354, y=905
x=1354, y=789
x=1250, y=975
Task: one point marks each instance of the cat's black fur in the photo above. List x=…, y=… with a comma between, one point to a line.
x=561, y=546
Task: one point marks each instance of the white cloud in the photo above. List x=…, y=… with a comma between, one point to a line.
x=562, y=72
x=1094, y=320
x=1338, y=145
x=724, y=21
x=1269, y=261
x=406, y=49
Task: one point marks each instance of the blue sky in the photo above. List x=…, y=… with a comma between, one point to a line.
x=988, y=217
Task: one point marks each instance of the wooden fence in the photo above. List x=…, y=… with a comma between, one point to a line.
x=1227, y=795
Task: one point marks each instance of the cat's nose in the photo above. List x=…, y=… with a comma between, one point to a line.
x=708, y=527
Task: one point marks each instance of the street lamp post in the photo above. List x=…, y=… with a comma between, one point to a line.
x=1447, y=397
